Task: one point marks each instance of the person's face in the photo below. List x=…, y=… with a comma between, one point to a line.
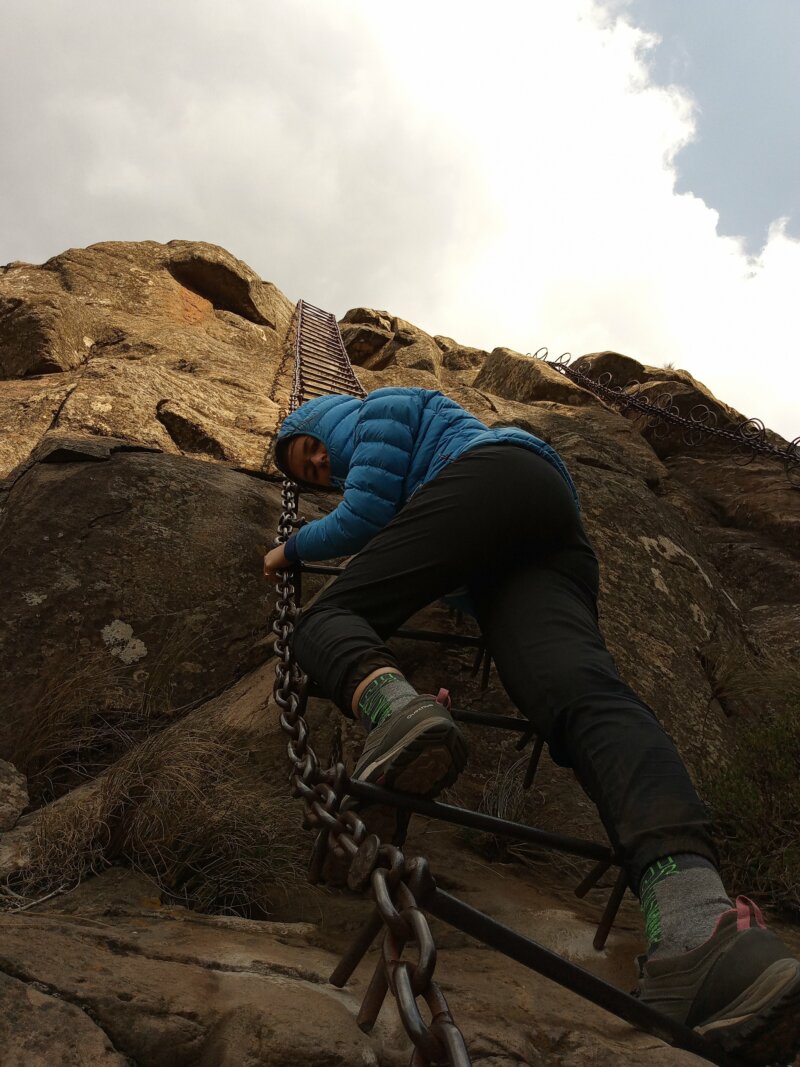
x=307, y=459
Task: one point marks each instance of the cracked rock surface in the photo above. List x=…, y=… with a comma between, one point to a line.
x=176, y=346
x=13, y=795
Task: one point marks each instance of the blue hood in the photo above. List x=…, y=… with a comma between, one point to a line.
x=381, y=450
x=330, y=419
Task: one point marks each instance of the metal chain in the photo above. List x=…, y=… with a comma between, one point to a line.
x=662, y=413
x=393, y=879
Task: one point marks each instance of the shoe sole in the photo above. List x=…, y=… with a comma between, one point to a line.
x=424, y=761
x=762, y=1026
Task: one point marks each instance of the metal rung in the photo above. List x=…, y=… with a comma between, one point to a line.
x=536, y=957
x=486, y=718
x=324, y=362
x=478, y=820
x=435, y=635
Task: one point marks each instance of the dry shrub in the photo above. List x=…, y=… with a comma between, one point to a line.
x=755, y=800
x=88, y=711
x=504, y=797
x=187, y=809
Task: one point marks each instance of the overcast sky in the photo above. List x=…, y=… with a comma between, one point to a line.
x=580, y=174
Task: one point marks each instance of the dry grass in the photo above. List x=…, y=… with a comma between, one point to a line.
x=755, y=796
x=504, y=797
x=69, y=732
x=186, y=809
x=121, y=774
x=89, y=711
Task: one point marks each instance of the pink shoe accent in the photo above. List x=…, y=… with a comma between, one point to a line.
x=748, y=915
x=443, y=698
x=746, y=912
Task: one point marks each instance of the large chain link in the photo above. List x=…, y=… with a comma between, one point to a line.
x=395, y=882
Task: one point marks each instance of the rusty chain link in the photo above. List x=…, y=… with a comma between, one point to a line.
x=320, y=358
x=662, y=414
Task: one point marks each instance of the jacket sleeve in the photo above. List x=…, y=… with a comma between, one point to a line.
x=375, y=487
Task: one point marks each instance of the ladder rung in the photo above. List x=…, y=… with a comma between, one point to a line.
x=479, y=820
x=435, y=635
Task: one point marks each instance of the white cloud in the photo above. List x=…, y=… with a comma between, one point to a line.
x=499, y=173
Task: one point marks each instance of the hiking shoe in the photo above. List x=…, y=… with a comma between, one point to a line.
x=419, y=749
x=740, y=989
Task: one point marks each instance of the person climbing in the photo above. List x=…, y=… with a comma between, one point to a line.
x=433, y=501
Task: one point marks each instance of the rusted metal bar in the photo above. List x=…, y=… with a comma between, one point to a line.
x=433, y=635
x=357, y=950
x=533, y=763
x=535, y=956
x=611, y=909
x=321, y=568
x=592, y=878
x=487, y=666
x=486, y=718
x=478, y=820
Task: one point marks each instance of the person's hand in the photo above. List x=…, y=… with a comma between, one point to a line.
x=274, y=561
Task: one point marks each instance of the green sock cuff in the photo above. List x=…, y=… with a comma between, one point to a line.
x=382, y=696
x=648, y=901
x=651, y=880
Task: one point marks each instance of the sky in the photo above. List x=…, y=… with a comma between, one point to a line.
x=576, y=174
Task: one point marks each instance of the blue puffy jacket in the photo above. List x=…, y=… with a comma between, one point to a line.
x=381, y=450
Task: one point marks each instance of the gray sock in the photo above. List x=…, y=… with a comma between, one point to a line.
x=681, y=897
x=384, y=695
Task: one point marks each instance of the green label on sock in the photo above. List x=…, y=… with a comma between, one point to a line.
x=382, y=695
x=648, y=902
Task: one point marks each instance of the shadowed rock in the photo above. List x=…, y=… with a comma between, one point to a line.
x=526, y=379
x=138, y=558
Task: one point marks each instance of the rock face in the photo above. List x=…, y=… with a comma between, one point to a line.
x=376, y=340
x=140, y=390
x=524, y=379
x=149, y=562
x=168, y=988
x=13, y=795
x=175, y=346
x=35, y=1027
x=173, y=990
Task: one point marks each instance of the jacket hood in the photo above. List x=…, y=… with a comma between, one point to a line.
x=329, y=419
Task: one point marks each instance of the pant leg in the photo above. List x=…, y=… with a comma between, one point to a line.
x=540, y=622
x=502, y=521
x=499, y=502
